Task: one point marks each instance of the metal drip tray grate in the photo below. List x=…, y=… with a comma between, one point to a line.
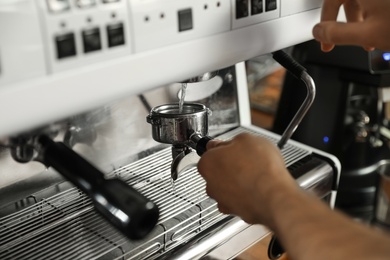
x=65, y=226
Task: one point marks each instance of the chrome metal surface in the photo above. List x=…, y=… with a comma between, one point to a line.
x=209, y=240
x=382, y=209
x=318, y=180
x=203, y=77
x=64, y=225
x=171, y=126
x=183, y=162
x=116, y=134
x=311, y=91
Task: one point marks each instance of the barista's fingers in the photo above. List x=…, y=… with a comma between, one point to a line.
x=213, y=143
x=330, y=10
x=223, y=209
x=341, y=33
x=210, y=191
x=353, y=11
x=326, y=47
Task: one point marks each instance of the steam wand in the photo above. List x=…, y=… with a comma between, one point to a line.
x=275, y=249
x=300, y=73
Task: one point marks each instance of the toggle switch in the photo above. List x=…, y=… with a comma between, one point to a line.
x=66, y=45
x=91, y=40
x=270, y=5
x=185, y=20
x=242, y=8
x=257, y=7
x=115, y=34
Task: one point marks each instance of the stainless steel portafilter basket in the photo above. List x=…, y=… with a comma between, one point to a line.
x=172, y=126
x=184, y=129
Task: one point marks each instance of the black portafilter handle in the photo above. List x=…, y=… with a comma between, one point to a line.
x=125, y=208
x=199, y=143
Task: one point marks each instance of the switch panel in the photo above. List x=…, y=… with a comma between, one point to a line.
x=91, y=40
x=66, y=45
x=101, y=32
x=259, y=10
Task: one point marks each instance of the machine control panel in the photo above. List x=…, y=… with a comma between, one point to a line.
x=249, y=12
x=104, y=49
x=83, y=32
x=76, y=33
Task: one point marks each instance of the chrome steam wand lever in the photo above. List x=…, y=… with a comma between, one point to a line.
x=300, y=73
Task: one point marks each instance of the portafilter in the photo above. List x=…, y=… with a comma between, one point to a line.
x=186, y=129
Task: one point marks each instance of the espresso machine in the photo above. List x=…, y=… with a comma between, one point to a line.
x=86, y=89
x=349, y=118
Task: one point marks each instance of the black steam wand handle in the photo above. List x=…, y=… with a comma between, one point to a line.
x=125, y=208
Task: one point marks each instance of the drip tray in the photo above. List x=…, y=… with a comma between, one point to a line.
x=65, y=225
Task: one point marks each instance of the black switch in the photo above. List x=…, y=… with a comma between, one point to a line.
x=257, y=7
x=66, y=45
x=91, y=40
x=242, y=8
x=116, y=35
x=185, y=20
x=270, y=5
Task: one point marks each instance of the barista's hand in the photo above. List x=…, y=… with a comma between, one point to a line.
x=243, y=175
x=248, y=178
x=368, y=24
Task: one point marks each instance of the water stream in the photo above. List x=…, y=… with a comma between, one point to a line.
x=182, y=97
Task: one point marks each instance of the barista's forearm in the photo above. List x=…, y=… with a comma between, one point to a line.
x=311, y=230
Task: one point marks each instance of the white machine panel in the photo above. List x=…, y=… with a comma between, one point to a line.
x=297, y=6
x=21, y=51
x=177, y=21
x=64, y=57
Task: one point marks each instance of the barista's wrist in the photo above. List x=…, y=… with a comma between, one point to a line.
x=274, y=195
